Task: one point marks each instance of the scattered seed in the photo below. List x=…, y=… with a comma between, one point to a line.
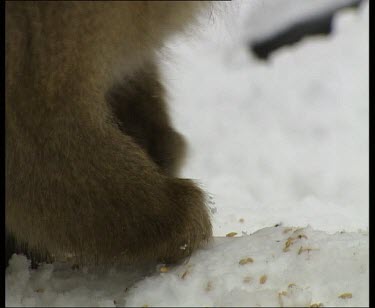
x=308, y=249
x=246, y=261
x=346, y=295
x=280, y=295
x=164, y=269
x=241, y=220
x=39, y=290
x=316, y=305
x=231, y=234
x=263, y=279
x=288, y=243
x=291, y=285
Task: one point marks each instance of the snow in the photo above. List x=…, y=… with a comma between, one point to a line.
x=283, y=142
x=214, y=277
x=279, y=141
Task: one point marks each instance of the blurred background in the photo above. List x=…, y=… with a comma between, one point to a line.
x=273, y=98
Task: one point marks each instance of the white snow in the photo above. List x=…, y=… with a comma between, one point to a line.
x=280, y=142
x=215, y=278
x=322, y=268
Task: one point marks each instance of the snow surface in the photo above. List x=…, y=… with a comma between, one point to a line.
x=281, y=142
x=315, y=268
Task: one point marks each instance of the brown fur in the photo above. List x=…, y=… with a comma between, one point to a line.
x=90, y=151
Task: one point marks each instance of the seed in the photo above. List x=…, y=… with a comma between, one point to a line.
x=164, y=269
x=263, y=279
x=346, y=295
x=231, y=234
x=246, y=261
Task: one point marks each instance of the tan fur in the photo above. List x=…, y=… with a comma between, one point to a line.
x=90, y=151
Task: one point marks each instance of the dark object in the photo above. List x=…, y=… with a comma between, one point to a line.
x=315, y=25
